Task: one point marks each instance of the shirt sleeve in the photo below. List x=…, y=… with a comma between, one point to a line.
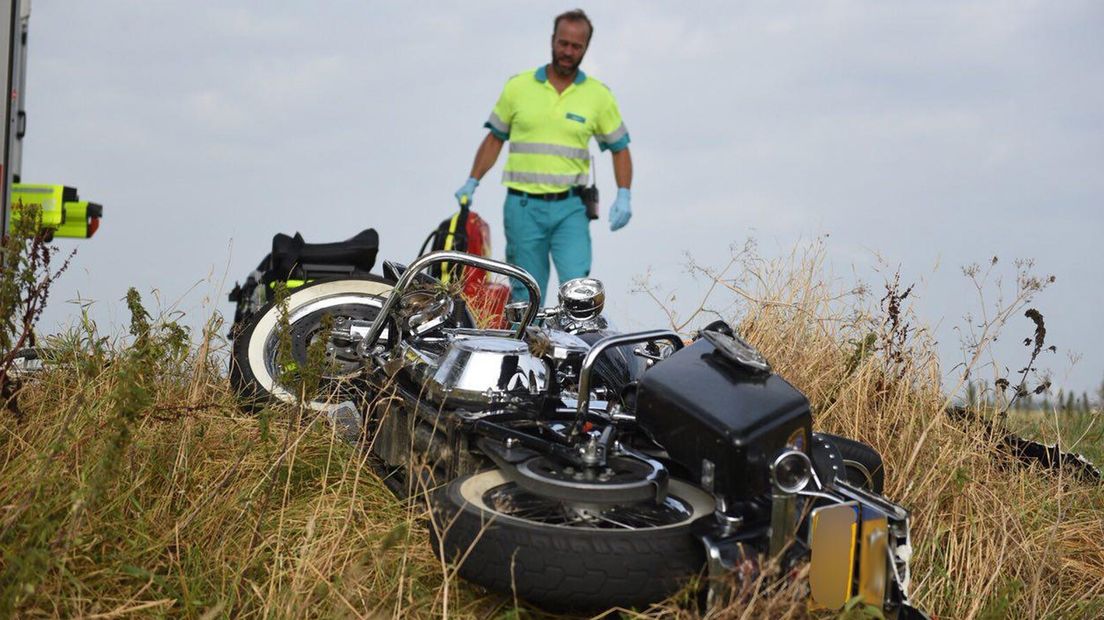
x=502, y=115
x=611, y=133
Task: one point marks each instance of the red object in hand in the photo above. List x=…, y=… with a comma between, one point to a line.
x=485, y=298
x=478, y=242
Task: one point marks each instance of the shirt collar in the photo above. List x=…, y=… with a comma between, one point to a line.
x=542, y=75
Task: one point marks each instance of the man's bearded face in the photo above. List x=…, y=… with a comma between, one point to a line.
x=569, y=45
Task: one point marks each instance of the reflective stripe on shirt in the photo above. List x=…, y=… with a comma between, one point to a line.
x=541, y=178
x=537, y=148
x=498, y=123
x=614, y=135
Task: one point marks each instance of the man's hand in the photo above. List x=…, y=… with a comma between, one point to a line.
x=621, y=212
x=464, y=194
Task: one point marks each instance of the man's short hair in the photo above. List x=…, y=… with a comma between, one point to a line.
x=578, y=15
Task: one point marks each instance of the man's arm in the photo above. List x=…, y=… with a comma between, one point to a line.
x=622, y=167
x=487, y=155
x=621, y=212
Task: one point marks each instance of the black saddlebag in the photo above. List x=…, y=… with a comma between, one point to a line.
x=701, y=408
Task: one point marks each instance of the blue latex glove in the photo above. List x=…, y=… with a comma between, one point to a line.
x=621, y=212
x=464, y=194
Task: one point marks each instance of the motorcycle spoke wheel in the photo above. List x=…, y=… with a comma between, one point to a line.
x=567, y=556
x=622, y=480
x=513, y=501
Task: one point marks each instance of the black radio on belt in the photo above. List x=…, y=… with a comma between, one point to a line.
x=589, y=196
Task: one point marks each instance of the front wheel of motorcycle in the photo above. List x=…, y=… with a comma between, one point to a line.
x=255, y=369
x=569, y=557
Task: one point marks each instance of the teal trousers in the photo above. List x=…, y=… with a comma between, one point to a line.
x=537, y=229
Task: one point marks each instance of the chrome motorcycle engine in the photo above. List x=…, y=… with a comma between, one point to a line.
x=480, y=372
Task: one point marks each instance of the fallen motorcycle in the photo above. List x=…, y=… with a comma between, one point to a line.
x=579, y=468
x=356, y=293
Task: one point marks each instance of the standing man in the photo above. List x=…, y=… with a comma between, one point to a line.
x=549, y=115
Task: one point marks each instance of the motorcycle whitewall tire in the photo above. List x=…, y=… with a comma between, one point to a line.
x=252, y=364
x=564, y=567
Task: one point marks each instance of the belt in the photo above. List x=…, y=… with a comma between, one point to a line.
x=574, y=191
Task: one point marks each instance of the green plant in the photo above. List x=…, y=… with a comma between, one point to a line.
x=26, y=275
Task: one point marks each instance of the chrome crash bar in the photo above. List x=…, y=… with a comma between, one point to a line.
x=599, y=347
x=470, y=260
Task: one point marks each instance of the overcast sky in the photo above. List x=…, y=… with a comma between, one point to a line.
x=933, y=134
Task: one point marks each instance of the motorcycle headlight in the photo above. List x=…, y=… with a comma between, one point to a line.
x=791, y=471
x=582, y=298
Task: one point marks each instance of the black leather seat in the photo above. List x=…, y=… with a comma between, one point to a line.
x=293, y=258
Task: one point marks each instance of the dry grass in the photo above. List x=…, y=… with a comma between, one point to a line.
x=992, y=539
x=131, y=487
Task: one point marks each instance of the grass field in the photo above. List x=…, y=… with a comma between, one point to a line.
x=131, y=486
x=1075, y=431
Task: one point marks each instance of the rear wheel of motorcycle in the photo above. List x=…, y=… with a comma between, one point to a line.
x=253, y=363
x=562, y=566
x=862, y=463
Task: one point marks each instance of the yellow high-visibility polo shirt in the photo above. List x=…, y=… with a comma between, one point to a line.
x=549, y=132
